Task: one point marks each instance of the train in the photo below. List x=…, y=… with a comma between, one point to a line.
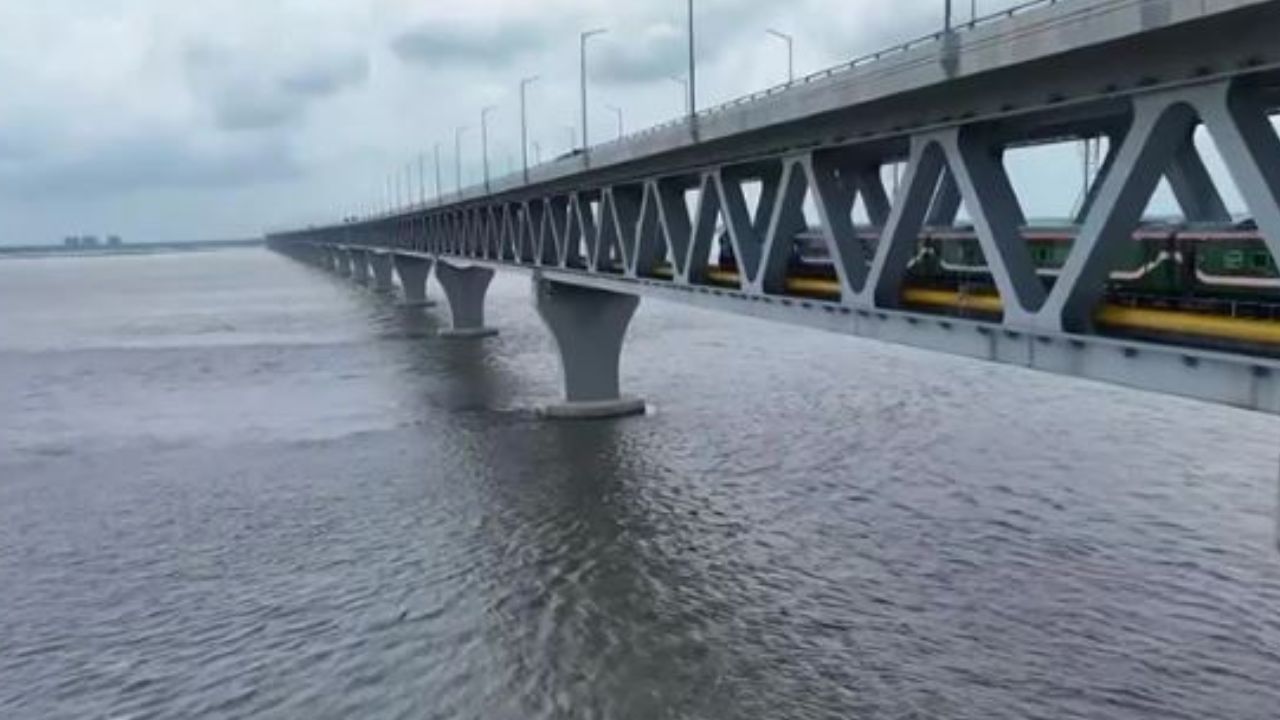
x=1206, y=267
x=1211, y=285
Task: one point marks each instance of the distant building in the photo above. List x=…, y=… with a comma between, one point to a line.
x=114, y=241
x=71, y=241
x=89, y=241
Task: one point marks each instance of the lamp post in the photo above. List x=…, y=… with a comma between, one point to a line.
x=439, y=194
x=684, y=90
x=946, y=19
x=457, y=158
x=484, y=142
x=524, y=125
x=693, y=74
x=791, y=52
x=617, y=111
x=422, y=179
x=583, y=58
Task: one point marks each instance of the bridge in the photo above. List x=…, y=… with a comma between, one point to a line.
x=712, y=210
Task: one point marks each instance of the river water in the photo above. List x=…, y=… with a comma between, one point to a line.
x=234, y=486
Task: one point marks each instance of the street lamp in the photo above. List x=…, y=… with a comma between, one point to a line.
x=484, y=142
x=791, y=52
x=617, y=111
x=583, y=57
x=946, y=18
x=439, y=194
x=524, y=125
x=422, y=179
x=693, y=74
x=684, y=93
x=457, y=158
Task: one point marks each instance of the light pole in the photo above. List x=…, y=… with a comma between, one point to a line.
x=693, y=74
x=439, y=194
x=422, y=179
x=457, y=158
x=572, y=134
x=583, y=58
x=617, y=111
x=946, y=20
x=484, y=142
x=791, y=52
x=537, y=153
x=684, y=91
x=524, y=125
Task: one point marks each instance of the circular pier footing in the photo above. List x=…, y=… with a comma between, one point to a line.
x=467, y=333
x=598, y=410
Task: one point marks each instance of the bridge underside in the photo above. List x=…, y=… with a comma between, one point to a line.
x=661, y=226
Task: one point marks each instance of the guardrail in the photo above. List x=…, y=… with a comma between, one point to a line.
x=844, y=67
x=848, y=66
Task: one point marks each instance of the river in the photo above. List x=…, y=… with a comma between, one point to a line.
x=234, y=486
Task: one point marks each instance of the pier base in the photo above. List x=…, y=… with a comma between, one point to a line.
x=413, y=271
x=589, y=326
x=359, y=265
x=341, y=262
x=465, y=288
x=383, y=279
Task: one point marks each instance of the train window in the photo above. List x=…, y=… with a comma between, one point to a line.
x=1261, y=260
x=1233, y=259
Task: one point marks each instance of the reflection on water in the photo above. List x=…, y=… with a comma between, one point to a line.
x=232, y=486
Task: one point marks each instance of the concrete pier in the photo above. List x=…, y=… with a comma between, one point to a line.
x=359, y=265
x=383, y=279
x=342, y=262
x=414, y=271
x=465, y=288
x=588, y=326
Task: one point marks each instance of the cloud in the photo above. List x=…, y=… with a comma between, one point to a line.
x=327, y=76
x=150, y=160
x=432, y=44
x=653, y=53
x=246, y=91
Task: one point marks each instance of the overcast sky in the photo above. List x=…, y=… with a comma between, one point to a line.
x=170, y=120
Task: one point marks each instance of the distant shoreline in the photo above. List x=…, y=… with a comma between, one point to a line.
x=35, y=251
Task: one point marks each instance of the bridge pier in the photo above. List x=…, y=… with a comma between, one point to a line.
x=359, y=265
x=381, y=262
x=465, y=287
x=589, y=326
x=341, y=261
x=413, y=271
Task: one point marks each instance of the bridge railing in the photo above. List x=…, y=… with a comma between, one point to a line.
x=841, y=68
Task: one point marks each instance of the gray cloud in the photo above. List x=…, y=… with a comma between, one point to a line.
x=151, y=161
x=500, y=44
x=656, y=52
x=658, y=49
x=327, y=76
x=246, y=97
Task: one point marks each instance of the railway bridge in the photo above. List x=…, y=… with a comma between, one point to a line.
x=712, y=210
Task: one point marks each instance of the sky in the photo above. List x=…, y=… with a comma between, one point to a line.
x=159, y=120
